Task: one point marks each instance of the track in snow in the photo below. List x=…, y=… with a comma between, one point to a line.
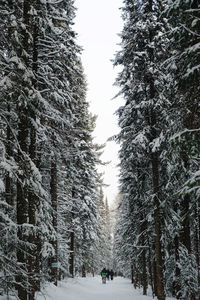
x=92, y=289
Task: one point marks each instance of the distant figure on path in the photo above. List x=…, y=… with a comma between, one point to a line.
x=111, y=274
x=108, y=274
x=104, y=275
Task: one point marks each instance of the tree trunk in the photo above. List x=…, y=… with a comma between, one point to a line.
x=185, y=232
x=22, y=203
x=154, y=156
x=197, y=245
x=9, y=153
x=83, y=271
x=157, y=217
x=158, y=261
x=177, y=287
x=132, y=274
x=150, y=266
x=33, y=201
x=72, y=242
x=154, y=276
x=22, y=189
x=144, y=272
x=144, y=260
x=33, y=261
x=71, y=256
x=54, y=202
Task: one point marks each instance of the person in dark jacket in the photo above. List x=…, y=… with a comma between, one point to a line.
x=104, y=275
x=111, y=274
x=108, y=274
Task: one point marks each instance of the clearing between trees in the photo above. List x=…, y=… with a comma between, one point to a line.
x=92, y=289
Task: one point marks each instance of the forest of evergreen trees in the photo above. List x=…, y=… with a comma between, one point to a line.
x=54, y=220
x=157, y=238
x=52, y=213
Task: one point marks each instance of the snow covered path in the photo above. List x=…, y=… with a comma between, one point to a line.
x=92, y=289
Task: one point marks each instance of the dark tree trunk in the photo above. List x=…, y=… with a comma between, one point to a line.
x=22, y=189
x=144, y=272
x=176, y=283
x=71, y=256
x=136, y=278
x=158, y=219
x=83, y=271
x=54, y=202
x=33, y=201
x=132, y=274
x=185, y=233
x=154, y=276
x=144, y=258
x=150, y=266
x=154, y=156
x=9, y=153
x=33, y=261
x=197, y=244
x=177, y=287
x=22, y=202
x=72, y=242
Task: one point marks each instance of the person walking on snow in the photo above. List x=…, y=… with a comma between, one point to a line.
x=108, y=274
x=111, y=274
x=104, y=275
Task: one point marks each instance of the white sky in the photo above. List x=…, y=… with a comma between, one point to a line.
x=98, y=23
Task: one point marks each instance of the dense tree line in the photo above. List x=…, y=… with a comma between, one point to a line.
x=49, y=184
x=157, y=236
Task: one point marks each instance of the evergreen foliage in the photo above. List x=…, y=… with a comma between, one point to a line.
x=158, y=225
x=49, y=181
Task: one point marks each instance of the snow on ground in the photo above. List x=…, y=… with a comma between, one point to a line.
x=92, y=289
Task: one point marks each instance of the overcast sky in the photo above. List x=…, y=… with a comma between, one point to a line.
x=98, y=23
